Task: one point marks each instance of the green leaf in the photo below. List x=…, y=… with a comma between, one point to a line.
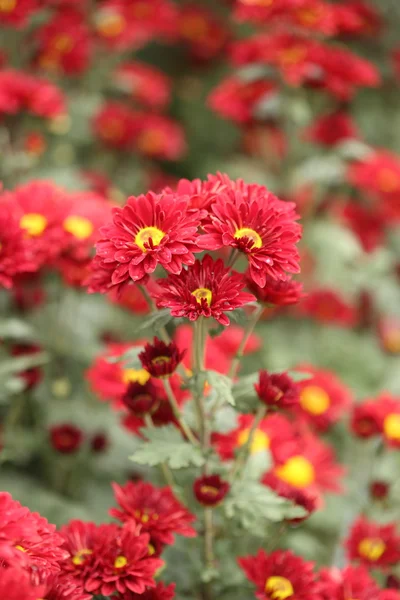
x=166, y=445
x=15, y=329
x=221, y=386
x=130, y=358
x=253, y=503
x=21, y=363
x=156, y=320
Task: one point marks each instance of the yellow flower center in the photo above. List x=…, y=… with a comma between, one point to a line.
x=278, y=588
x=293, y=55
x=111, y=130
x=120, y=562
x=203, y=294
x=141, y=10
x=208, y=489
x=151, y=141
x=159, y=360
x=297, y=471
x=391, y=426
x=20, y=548
x=80, y=227
x=152, y=550
x=63, y=43
x=143, y=237
x=388, y=181
x=7, y=6
x=135, y=376
x=33, y=223
x=308, y=16
x=80, y=557
x=194, y=27
x=391, y=341
x=259, y=442
x=145, y=515
x=314, y=400
x=250, y=234
x=110, y=24
x=371, y=548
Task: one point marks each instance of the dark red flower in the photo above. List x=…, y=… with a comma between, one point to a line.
x=357, y=18
x=280, y=293
x=351, y=582
x=201, y=30
x=379, y=490
x=144, y=83
x=161, y=359
x=16, y=13
x=99, y=442
x=160, y=592
x=280, y=574
x=156, y=509
x=327, y=306
x=303, y=498
x=141, y=399
x=366, y=420
x=159, y=137
x=210, y=490
x=149, y=230
x=66, y=438
x=277, y=390
x=332, y=129
x=116, y=125
x=15, y=254
x=207, y=289
x=366, y=222
x=374, y=545
x=253, y=221
x=389, y=334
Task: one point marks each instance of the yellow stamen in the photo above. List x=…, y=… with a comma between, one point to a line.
x=391, y=426
x=279, y=588
x=246, y=232
x=159, y=360
x=80, y=227
x=135, y=376
x=388, y=180
x=203, y=294
x=391, y=341
x=314, y=400
x=33, y=223
x=146, y=234
x=21, y=548
x=7, y=6
x=151, y=141
x=293, y=55
x=63, y=43
x=208, y=489
x=80, y=557
x=372, y=548
x=110, y=24
x=297, y=471
x=120, y=562
x=194, y=27
x=259, y=443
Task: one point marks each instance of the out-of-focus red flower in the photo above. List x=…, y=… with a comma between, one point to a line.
x=22, y=92
x=351, y=582
x=145, y=84
x=366, y=420
x=33, y=375
x=238, y=100
x=266, y=140
x=161, y=359
x=116, y=125
x=366, y=223
x=389, y=334
x=99, y=442
x=327, y=306
x=280, y=574
x=279, y=293
x=28, y=292
x=66, y=438
x=210, y=490
x=203, y=33
x=331, y=129
x=109, y=379
x=379, y=490
x=157, y=510
x=131, y=297
x=15, y=253
x=324, y=399
x=35, y=143
x=373, y=545
x=159, y=137
x=389, y=409
x=303, y=61
x=16, y=13
x=15, y=584
x=307, y=500
x=277, y=391
x=141, y=399
x=357, y=18
x=64, y=43
x=396, y=62
x=216, y=357
x=98, y=182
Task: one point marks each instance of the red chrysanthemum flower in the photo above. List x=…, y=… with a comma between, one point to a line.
x=131, y=298
x=123, y=561
x=307, y=500
x=109, y=379
x=161, y=359
x=159, y=137
x=277, y=390
x=64, y=43
x=389, y=410
x=59, y=587
x=365, y=221
x=16, y=522
x=16, y=13
x=389, y=334
x=332, y=129
x=15, y=584
x=227, y=444
x=15, y=253
x=374, y=545
x=144, y=83
x=357, y=18
x=254, y=221
x=379, y=490
x=389, y=595
x=323, y=398
x=80, y=539
x=140, y=399
x=239, y=100
x=327, y=306
x=22, y=92
x=210, y=490
x=149, y=230
x=156, y=509
x=280, y=293
x=366, y=420
x=280, y=574
x=160, y=592
x=203, y=33
x=207, y=289
x=304, y=462
x=351, y=582
x=116, y=125
x=200, y=194
x=66, y=438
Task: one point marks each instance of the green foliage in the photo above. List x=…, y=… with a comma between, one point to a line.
x=166, y=445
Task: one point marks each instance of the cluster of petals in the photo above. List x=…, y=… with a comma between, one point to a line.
x=20, y=92
x=372, y=544
x=378, y=417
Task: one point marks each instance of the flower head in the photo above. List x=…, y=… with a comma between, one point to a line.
x=156, y=509
x=141, y=399
x=160, y=592
x=277, y=390
x=280, y=575
x=210, y=490
x=278, y=292
x=372, y=544
x=66, y=438
x=351, y=582
x=15, y=253
x=327, y=306
x=161, y=359
x=207, y=289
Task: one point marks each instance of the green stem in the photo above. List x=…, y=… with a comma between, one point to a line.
x=164, y=467
x=177, y=412
x=245, y=452
x=208, y=537
x=163, y=331
x=249, y=330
